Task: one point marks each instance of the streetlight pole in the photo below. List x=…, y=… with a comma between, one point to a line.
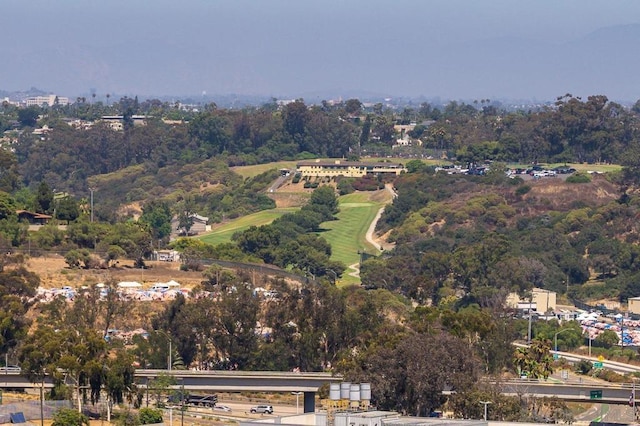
x=486, y=403
x=182, y=403
x=589, y=337
x=42, y=401
x=297, y=394
x=169, y=363
x=529, y=330
x=633, y=399
x=555, y=339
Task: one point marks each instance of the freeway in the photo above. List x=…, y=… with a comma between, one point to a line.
x=239, y=381
x=576, y=391
x=618, y=367
x=217, y=381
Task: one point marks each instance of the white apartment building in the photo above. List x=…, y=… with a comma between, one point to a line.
x=49, y=100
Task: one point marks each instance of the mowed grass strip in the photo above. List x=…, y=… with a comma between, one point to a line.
x=223, y=233
x=347, y=235
x=255, y=170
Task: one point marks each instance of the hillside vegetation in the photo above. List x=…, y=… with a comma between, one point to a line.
x=458, y=243
x=485, y=239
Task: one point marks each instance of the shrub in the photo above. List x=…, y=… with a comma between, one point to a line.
x=610, y=376
x=584, y=367
x=69, y=417
x=522, y=190
x=579, y=178
x=150, y=416
x=127, y=418
x=367, y=183
x=345, y=186
x=75, y=257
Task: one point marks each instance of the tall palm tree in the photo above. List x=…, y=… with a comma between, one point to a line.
x=536, y=360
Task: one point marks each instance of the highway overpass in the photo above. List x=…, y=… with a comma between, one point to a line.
x=310, y=383
x=216, y=381
x=610, y=393
x=618, y=367
x=241, y=381
x=13, y=380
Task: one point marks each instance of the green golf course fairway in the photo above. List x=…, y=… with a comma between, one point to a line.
x=223, y=233
x=347, y=235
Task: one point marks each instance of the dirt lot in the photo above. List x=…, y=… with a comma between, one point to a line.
x=54, y=272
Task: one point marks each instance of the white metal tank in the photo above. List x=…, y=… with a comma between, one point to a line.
x=334, y=391
x=354, y=392
x=344, y=390
x=365, y=391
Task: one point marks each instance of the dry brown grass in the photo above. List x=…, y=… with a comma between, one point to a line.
x=558, y=195
x=54, y=273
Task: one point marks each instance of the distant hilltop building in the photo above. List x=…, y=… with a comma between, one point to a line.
x=49, y=100
x=198, y=225
x=347, y=168
x=116, y=121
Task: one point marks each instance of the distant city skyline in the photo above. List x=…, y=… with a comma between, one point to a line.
x=449, y=49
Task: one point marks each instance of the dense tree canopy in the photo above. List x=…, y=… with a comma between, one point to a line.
x=462, y=243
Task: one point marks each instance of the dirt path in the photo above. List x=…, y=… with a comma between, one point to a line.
x=371, y=230
x=379, y=243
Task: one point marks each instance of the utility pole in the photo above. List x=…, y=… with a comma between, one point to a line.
x=529, y=310
x=182, y=403
x=42, y=401
x=91, y=190
x=170, y=347
x=633, y=399
x=486, y=403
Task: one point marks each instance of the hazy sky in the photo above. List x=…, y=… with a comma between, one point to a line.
x=454, y=49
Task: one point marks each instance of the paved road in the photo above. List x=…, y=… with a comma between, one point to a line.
x=239, y=412
x=277, y=183
x=611, y=412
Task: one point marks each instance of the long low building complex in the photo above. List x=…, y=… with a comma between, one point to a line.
x=332, y=168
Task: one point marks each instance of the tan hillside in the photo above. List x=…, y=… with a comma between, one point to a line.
x=54, y=273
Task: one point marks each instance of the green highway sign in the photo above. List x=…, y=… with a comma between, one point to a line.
x=596, y=394
x=597, y=364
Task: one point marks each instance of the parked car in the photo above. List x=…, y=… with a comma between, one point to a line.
x=266, y=409
x=564, y=170
x=10, y=369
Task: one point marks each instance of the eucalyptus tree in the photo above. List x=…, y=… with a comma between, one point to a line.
x=406, y=377
x=17, y=296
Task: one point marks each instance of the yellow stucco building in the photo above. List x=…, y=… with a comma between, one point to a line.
x=347, y=168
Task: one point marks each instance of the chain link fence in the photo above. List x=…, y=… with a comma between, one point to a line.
x=31, y=409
